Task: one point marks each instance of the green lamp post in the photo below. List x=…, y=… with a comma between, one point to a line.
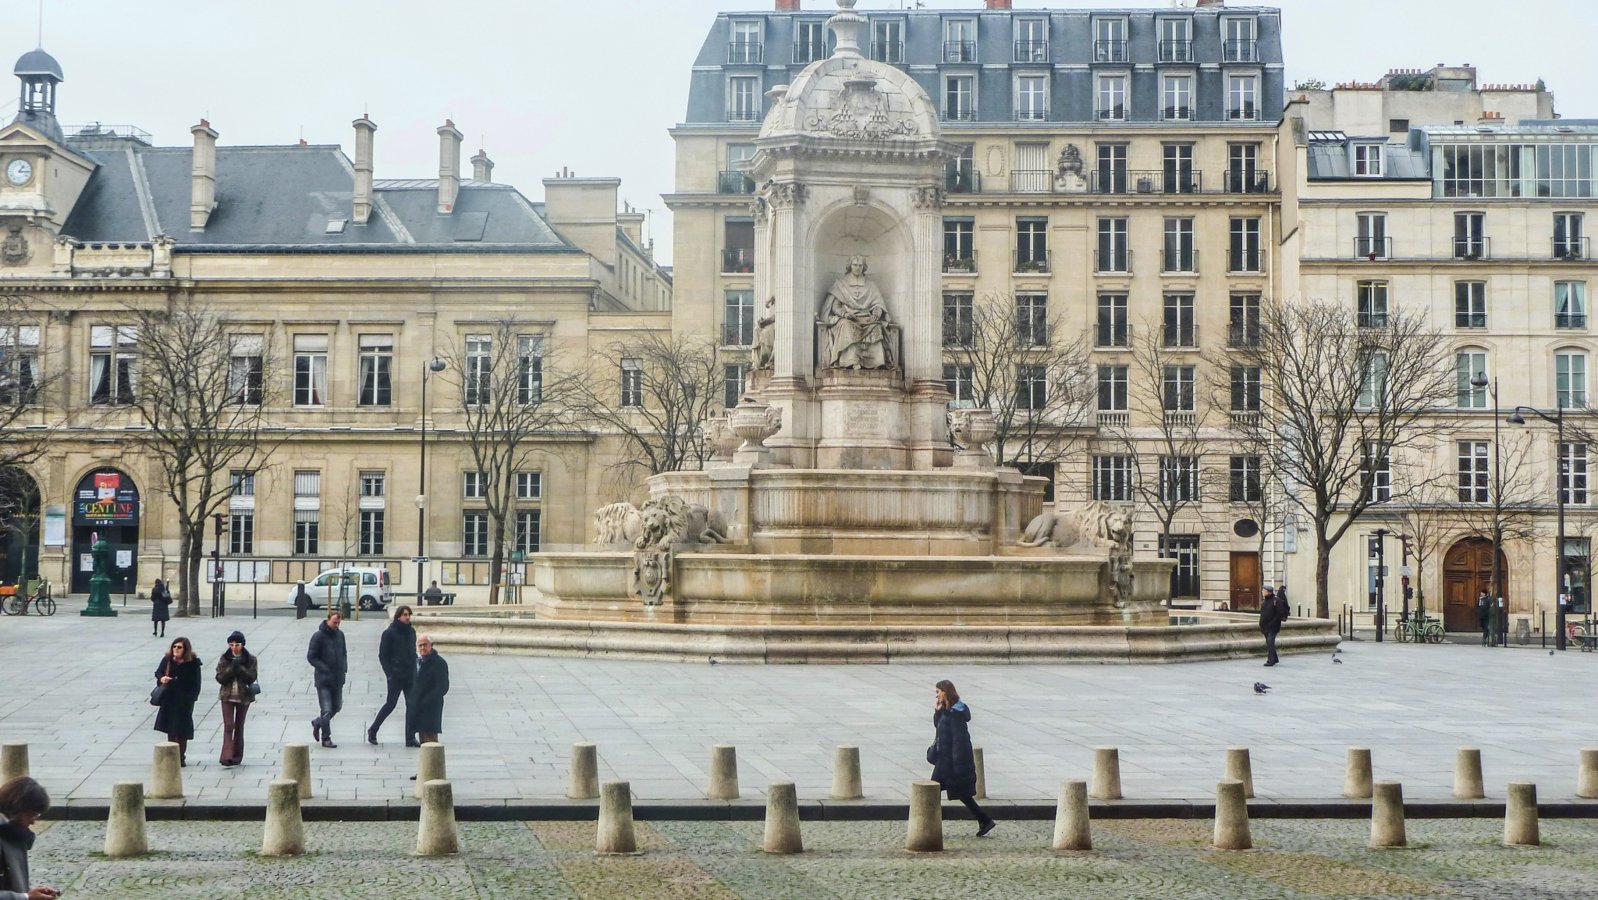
x=100, y=581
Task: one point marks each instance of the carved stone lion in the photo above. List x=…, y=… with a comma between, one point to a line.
x=617, y=523
x=1094, y=524
x=670, y=520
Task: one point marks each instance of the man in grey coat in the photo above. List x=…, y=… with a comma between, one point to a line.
x=327, y=657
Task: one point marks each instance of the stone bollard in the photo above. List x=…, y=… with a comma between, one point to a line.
x=166, y=779
x=1231, y=816
x=285, y=830
x=1357, y=780
x=982, y=775
x=1387, y=815
x=723, y=773
x=1239, y=767
x=925, y=834
x=583, y=782
x=1520, y=815
x=782, y=819
x=846, y=774
x=1071, y=828
x=615, y=819
x=436, y=834
x=1106, y=773
x=1587, y=774
x=429, y=765
x=1468, y=783
x=124, y=828
x=13, y=761
x=297, y=767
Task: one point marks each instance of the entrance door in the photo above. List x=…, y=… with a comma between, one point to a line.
x=1246, y=580
x=1467, y=571
x=106, y=505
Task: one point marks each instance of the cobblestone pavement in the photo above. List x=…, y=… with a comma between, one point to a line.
x=1135, y=859
x=77, y=688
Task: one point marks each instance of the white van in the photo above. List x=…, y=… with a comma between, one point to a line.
x=370, y=585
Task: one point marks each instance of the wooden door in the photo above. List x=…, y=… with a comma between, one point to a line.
x=1467, y=571
x=1245, y=580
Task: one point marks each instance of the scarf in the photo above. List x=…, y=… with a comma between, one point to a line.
x=12, y=833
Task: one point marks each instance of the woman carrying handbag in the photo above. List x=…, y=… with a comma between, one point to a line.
x=236, y=671
x=177, y=681
x=954, y=765
x=160, y=608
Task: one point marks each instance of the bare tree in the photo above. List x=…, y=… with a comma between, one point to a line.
x=1501, y=504
x=28, y=379
x=200, y=391
x=1344, y=399
x=1010, y=358
x=1427, y=520
x=654, y=391
x=514, y=395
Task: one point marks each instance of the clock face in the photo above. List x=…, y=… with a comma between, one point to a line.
x=19, y=171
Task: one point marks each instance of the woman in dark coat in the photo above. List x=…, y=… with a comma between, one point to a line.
x=235, y=671
x=180, y=672
x=160, y=608
x=954, y=766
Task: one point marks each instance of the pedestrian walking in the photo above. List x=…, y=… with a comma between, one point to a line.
x=394, y=655
x=178, y=674
x=302, y=601
x=237, y=672
x=160, y=608
x=1484, y=618
x=426, y=706
x=954, y=766
x=1273, y=612
x=327, y=657
x=22, y=802
x=433, y=596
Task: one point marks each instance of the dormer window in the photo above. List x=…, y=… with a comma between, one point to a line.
x=1368, y=160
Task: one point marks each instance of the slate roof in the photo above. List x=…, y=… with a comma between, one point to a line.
x=281, y=198
x=1333, y=160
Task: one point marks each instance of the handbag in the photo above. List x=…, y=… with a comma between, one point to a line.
x=932, y=753
x=159, y=690
x=253, y=689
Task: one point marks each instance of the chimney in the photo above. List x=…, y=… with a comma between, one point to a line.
x=202, y=198
x=449, y=167
x=787, y=5
x=482, y=167
x=631, y=223
x=364, y=128
x=998, y=4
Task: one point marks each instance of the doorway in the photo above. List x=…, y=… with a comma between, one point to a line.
x=106, y=504
x=19, y=527
x=1245, y=581
x=1467, y=571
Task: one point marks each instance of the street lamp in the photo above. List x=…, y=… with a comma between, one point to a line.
x=434, y=366
x=1500, y=609
x=1558, y=420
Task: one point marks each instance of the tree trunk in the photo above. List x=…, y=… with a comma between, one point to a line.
x=1323, y=577
x=185, y=593
x=496, y=561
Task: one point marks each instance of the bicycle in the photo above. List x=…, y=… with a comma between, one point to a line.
x=1580, y=634
x=1427, y=630
x=17, y=604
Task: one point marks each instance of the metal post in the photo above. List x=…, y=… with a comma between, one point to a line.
x=1381, y=583
x=433, y=365
x=1559, y=551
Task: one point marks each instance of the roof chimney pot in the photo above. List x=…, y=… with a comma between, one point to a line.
x=449, y=167
x=364, y=129
x=482, y=167
x=202, y=195
x=787, y=5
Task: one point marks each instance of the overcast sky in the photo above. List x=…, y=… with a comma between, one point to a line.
x=594, y=84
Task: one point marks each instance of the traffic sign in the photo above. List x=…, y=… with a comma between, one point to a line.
x=418, y=559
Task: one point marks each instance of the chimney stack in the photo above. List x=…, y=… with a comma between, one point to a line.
x=364, y=129
x=787, y=5
x=449, y=167
x=482, y=167
x=202, y=198
x=998, y=4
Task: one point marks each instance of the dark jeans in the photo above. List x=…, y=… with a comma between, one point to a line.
x=330, y=698
x=976, y=811
x=1270, y=647
x=396, y=688
x=1487, y=634
x=233, y=732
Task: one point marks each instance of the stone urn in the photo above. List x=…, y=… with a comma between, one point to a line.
x=972, y=429
x=754, y=421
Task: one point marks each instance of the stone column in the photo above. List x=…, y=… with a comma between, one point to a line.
x=583, y=782
x=925, y=834
x=1357, y=777
x=1231, y=817
x=723, y=773
x=166, y=780
x=1520, y=815
x=285, y=829
x=846, y=783
x=1106, y=773
x=124, y=827
x=1239, y=767
x=429, y=765
x=923, y=334
x=436, y=834
x=1467, y=775
x=297, y=767
x=615, y=834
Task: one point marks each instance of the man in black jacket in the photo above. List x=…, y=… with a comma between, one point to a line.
x=326, y=655
x=394, y=654
x=426, y=706
x=1273, y=612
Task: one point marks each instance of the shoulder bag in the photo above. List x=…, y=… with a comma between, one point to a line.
x=159, y=690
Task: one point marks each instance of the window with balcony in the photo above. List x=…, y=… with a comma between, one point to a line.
x=631, y=391
x=1110, y=100
x=957, y=381
x=960, y=174
x=1112, y=477
x=310, y=370
x=1245, y=389
x=1238, y=42
x=959, y=40
x=1113, y=330
x=1467, y=365
x=959, y=320
x=1470, y=235
x=376, y=370
x=733, y=179
x=1176, y=40
x=738, y=246
x=1031, y=387
x=1376, y=470
x=1243, y=175
x=1570, y=304
x=743, y=98
x=1573, y=473
x=1179, y=253
x=1179, y=479
x=1031, y=98
x=1031, y=173
x=810, y=41
x=1032, y=320
x=1569, y=241
x=746, y=46
x=734, y=376
x=1032, y=245
x=1112, y=388
x=1113, y=253
x=1176, y=388
x=1471, y=470
x=1470, y=304
x=1111, y=174
x=246, y=365
x=959, y=98
x=1244, y=249
x=1176, y=102
x=1109, y=39
x=1180, y=330
x=1177, y=173
x=887, y=41
x=959, y=244
x=1243, y=321
x=1368, y=160
x=1372, y=304
x=1370, y=236
x=1570, y=379
x=1031, y=40
x=1243, y=480
x=1242, y=97
x=738, y=318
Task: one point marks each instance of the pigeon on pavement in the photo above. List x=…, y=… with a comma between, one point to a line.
x=1261, y=687
x=1336, y=661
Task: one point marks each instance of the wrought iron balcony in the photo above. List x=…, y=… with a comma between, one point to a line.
x=809, y=51
x=959, y=51
x=1470, y=319
x=1240, y=51
x=1115, y=113
x=962, y=181
x=1179, y=260
x=1179, y=335
x=1248, y=181
x=1245, y=260
x=1571, y=248
x=1472, y=247
x=1035, y=114
x=891, y=52
x=1031, y=260
x=1570, y=320
x=1113, y=334
x=1373, y=247
x=960, y=114
x=1367, y=319
x=744, y=114
x=1181, y=181
x=964, y=263
x=1248, y=112
x=1031, y=51
x=737, y=260
x=746, y=52
x=1116, y=261
x=1177, y=113
x=735, y=183
x=1109, y=51
x=1243, y=334
x=1176, y=51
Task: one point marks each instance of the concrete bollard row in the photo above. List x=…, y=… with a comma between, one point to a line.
x=297, y=767
x=429, y=765
x=166, y=778
x=615, y=833
x=1520, y=815
x=436, y=834
x=124, y=827
x=1072, y=830
x=925, y=828
x=1387, y=815
x=1357, y=777
x=1231, y=817
x=13, y=760
x=1587, y=774
x=284, y=834
x=723, y=773
x=1468, y=784
x=583, y=781
x=846, y=783
x=1239, y=767
x=782, y=819
x=1106, y=773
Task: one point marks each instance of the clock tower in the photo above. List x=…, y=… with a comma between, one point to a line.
x=40, y=177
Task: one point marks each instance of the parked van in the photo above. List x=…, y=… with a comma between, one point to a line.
x=371, y=586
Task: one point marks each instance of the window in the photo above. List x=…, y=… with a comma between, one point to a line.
x=113, y=364
x=746, y=42
x=1111, y=98
x=371, y=536
x=810, y=41
x=19, y=365
x=1243, y=482
x=246, y=365
x=1184, y=548
x=1570, y=304
x=1245, y=389
x=1241, y=93
x=733, y=378
x=1372, y=310
x=959, y=323
x=1178, y=174
x=241, y=483
x=1243, y=321
x=1569, y=243
x=1180, y=255
x=1398, y=126
x=1242, y=169
x=738, y=319
x=743, y=98
x=1031, y=40
x=1179, y=479
x=376, y=365
x=1176, y=97
x=1238, y=44
x=479, y=384
x=1110, y=176
x=1180, y=330
x=1176, y=390
x=1573, y=473
x=1470, y=304
x=887, y=40
x=241, y=533
x=1373, y=384
x=1472, y=471
x=530, y=368
x=1370, y=240
x=1176, y=40
x=307, y=513
x=959, y=40
x=529, y=485
x=1368, y=160
x=1112, y=388
x=959, y=98
x=960, y=172
x=372, y=484
x=1031, y=173
x=1032, y=245
x=738, y=246
x=1467, y=365
x=529, y=530
x=1031, y=98
x=474, y=485
x=1470, y=241
x=959, y=245
x=1031, y=387
x=632, y=382
x=1112, y=478
x=1032, y=319
x=1113, y=255
x=1377, y=471
x=1113, y=330
x=957, y=380
x=1570, y=379
x=1109, y=40
x=1245, y=245
x=474, y=533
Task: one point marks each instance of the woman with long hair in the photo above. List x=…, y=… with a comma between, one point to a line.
x=179, y=672
x=954, y=766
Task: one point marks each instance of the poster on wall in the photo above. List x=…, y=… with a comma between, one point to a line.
x=124, y=559
x=85, y=562
x=55, y=525
x=106, y=498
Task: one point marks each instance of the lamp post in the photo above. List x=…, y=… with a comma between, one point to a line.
x=434, y=366
x=1381, y=582
x=1558, y=420
x=1500, y=609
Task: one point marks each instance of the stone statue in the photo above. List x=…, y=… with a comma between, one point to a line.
x=1092, y=525
x=856, y=319
x=617, y=523
x=670, y=520
x=764, y=352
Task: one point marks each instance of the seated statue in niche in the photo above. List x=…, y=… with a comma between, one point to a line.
x=857, y=325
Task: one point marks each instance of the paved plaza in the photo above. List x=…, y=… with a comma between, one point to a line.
x=77, y=693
